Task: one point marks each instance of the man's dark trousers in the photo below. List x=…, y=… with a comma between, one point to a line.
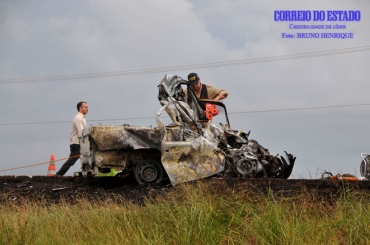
x=73, y=157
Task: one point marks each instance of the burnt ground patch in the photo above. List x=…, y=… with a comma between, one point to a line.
x=18, y=189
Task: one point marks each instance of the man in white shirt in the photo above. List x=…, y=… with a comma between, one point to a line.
x=79, y=123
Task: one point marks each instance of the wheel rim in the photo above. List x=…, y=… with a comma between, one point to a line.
x=148, y=171
x=246, y=168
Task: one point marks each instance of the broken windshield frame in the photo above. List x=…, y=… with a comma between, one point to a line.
x=219, y=104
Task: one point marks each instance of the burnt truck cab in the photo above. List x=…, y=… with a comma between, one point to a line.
x=191, y=147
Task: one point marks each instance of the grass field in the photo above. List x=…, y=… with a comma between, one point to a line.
x=193, y=214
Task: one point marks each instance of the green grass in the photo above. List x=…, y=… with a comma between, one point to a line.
x=192, y=214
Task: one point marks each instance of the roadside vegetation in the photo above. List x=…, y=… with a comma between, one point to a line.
x=193, y=214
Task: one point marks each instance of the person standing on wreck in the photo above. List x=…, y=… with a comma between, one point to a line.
x=78, y=123
x=203, y=91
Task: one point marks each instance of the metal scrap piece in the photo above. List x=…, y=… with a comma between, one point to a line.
x=187, y=161
x=125, y=137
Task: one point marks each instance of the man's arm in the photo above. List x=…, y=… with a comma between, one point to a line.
x=222, y=95
x=216, y=93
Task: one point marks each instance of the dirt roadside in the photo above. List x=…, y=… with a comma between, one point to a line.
x=18, y=189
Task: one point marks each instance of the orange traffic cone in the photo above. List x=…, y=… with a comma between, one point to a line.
x=51, y=168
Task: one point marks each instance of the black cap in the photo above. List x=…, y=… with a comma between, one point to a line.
x=193, y=79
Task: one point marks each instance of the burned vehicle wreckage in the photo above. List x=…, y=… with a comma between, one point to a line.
x=191, y=147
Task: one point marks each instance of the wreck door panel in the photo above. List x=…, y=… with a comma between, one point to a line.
x=186, y=161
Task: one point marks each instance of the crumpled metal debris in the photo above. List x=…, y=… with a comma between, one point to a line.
x=345, y=177
x=191, y=147
x=12, y=198
x=24, y=184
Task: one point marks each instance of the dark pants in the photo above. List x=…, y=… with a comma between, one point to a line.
x=73, y=157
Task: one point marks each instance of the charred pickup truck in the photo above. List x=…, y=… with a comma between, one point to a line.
x=191, y=147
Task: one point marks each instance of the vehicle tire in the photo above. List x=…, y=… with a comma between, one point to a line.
x=247, y=168
x=148, y=172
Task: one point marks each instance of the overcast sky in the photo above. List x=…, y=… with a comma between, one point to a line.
x=43, y=38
